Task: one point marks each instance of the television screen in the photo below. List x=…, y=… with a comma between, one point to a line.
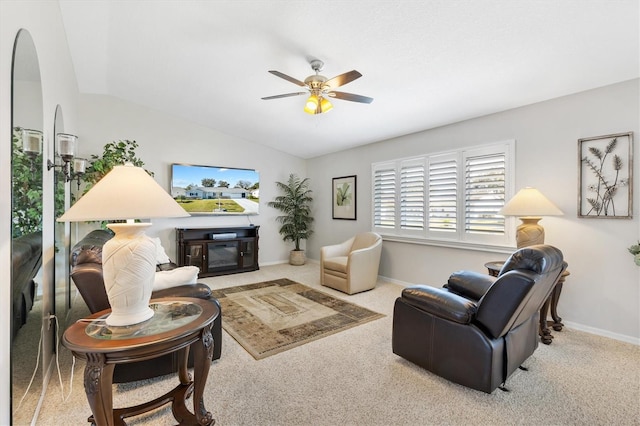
x=212, y=190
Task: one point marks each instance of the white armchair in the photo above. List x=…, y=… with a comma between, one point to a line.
x=351, y=266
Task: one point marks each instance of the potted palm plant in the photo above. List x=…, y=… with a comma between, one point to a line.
x=296, y=221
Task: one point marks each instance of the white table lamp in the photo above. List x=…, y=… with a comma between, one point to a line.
x=129, y=258
x=529, y=205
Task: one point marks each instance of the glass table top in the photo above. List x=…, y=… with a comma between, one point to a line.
x=167, y=316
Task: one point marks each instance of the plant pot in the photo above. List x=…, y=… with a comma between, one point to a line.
x=296, y=257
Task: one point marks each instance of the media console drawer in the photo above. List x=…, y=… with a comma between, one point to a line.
x=218, y=251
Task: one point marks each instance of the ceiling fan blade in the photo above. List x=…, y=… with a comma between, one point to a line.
x=286, y=77
x=351, y=97
x=343, y=79
x=286, y=95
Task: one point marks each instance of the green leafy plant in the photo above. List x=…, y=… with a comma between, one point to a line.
x=295, y=204
x=343, y=195
x=635, y=251
x=26, y=189
x=114, y=153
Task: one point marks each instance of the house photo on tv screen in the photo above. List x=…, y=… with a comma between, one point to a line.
x=213, y=190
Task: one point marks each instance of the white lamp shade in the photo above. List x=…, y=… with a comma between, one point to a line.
x=126, y=192
x=529, y=202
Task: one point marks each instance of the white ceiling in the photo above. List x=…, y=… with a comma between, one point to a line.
x=426, y=63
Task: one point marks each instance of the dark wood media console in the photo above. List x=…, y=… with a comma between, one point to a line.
x=218, y=251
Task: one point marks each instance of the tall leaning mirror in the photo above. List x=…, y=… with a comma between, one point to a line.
x=26, y=227
x=61, y=202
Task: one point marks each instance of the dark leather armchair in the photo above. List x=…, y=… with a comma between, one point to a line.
x=86, y=272
x=478, y=329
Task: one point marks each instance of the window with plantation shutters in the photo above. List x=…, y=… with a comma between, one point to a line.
x=384, y=196
x=443, y=193
x=412, y=194
x=449, y=198
x=484, y=193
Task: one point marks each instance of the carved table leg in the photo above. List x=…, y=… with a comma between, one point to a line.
x=183, y=373
x=545, y=334
x=555, y=296
x=98, y=378
x=180, y=395
x=202, y=353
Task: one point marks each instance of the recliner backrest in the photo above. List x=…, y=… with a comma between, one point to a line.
x=524, y=283
x=542, y=259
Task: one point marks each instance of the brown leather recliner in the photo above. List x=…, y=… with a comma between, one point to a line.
x=26, y=254
x=86, y=272
x=478, y=329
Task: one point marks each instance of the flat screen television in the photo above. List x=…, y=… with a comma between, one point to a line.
x=210, y=190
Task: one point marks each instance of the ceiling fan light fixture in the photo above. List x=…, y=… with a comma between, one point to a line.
x=320, y=88
x=325, y=105
x=311, y=106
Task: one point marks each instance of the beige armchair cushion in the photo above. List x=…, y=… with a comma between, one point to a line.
x=351, y=266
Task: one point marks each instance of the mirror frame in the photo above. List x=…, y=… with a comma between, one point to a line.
x=24, y=50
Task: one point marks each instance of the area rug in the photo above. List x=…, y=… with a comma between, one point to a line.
x=273, y=316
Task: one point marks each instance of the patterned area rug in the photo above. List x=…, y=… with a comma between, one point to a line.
x=273, y=316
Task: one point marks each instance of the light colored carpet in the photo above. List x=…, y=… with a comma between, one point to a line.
x=353, y=378
x=24, y=358
x=270, y=317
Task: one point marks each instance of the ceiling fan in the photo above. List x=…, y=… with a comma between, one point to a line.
x=320, y=88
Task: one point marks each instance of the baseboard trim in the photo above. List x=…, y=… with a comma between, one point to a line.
x=603, y=333
x=282, y=262
x=394, y=281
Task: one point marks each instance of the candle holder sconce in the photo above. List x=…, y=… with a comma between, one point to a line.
x=66, y=149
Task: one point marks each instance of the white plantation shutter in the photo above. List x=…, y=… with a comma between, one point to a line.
x=484, y=193
x=443, y=193
x=384, y=196
x=412, y=194
x=449, y=198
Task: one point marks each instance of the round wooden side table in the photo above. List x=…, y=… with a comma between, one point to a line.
x=179, y=324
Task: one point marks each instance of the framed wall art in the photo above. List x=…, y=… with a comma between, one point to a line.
x=605, y=165
x=344, y=198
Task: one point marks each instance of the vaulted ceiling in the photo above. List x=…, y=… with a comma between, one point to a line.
x=426, y=63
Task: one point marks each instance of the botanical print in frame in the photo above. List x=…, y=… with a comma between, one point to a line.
x=605, y=185
x=344, y=198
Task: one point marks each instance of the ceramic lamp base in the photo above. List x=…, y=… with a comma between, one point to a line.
x=129, y=265
x=529, y=232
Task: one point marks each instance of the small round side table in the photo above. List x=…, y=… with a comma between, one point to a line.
x=179, y=324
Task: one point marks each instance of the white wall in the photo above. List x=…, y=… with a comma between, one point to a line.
x=43, y=20
x=602, y=293
x=164, y=140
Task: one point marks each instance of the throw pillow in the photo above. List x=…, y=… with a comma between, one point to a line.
x=161, y=255
x=175, y=277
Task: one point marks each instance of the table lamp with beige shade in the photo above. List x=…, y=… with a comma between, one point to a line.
x=128, y=259
x=529, y=205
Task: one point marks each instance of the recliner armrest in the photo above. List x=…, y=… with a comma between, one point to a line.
x=201, y=291
x=469, y=284
x=440, y=302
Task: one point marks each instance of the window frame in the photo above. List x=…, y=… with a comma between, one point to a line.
x=435, y=189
